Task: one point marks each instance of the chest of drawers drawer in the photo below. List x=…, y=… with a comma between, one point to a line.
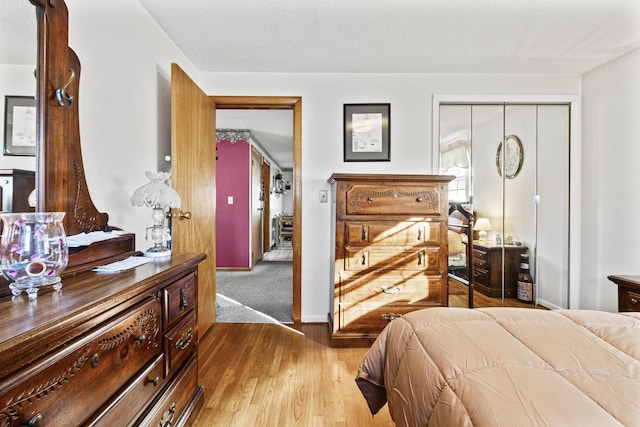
x=86, y=372
x=390, y=258
x=362, y=199
x=392, y=233
x=392, y=287
x=180, y=342
x=629, y=301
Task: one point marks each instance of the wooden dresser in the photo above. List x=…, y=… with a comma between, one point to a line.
x=390, y=251
x=487, y=269
x=628, y=292
x=108, y=349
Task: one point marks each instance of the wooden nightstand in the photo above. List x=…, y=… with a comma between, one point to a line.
x=487, y=269
x=628, y=292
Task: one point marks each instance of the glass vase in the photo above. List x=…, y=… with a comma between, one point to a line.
x=33, y=251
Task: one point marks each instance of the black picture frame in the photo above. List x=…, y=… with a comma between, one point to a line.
x=19, y=126
x=371, y=143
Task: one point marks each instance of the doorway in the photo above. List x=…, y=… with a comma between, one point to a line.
x=295, y=105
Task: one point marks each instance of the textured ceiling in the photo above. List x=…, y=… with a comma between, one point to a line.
x=403, y=36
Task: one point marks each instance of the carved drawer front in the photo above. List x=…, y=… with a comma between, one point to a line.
x=180, y=297
x=403, y=233
x=129, y=403
x=180, y=342
x=480, y=257
x=66, y=388
x=377, y=258
x=369, y=317
x=171, y=407
x=395, y=200
x=390, y=288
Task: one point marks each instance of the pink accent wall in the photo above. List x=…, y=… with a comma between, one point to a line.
x=232, y=221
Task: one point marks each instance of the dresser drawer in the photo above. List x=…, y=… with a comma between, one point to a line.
x=67, y=387
x=393, y=233
x=125, y=407
x=378, y=258
x=481, y=275
x=180, y=395
x=480, y=257
x=180, y=343
x=371, y=318
x=424, y=199
x=392, y=288
x=180, y=297
x=630, y=301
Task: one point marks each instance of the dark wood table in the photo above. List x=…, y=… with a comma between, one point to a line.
x=628, y=292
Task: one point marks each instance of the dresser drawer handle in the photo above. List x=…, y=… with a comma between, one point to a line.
x=369, y=199
x=365, y=233
x=391, y=289
x=634, y=301
x=154, y=381
x=420, y=258
x=419, y=199
x=141, y=339
x=183, y=298
x=36, y=421
x=167, y=417
x=364, y=258
x=390, y=316
x=185, y=340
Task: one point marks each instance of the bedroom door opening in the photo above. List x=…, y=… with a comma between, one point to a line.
x=266, y=199
x=518, y=197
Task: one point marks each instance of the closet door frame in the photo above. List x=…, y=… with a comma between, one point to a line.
x=575, y=169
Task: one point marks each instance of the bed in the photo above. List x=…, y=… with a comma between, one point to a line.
x=506, y=366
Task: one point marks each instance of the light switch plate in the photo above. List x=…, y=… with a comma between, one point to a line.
x=323, y=196
x=230, y=200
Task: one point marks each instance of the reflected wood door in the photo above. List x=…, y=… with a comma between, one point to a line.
x=193, y=152
x=257, y=208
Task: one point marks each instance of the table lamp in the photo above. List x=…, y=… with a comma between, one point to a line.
x=482, y=225
x=159, y=196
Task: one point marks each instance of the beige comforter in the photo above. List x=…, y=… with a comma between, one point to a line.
x=506, y=367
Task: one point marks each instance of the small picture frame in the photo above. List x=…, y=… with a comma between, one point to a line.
x=366, y=132
x=19, y=126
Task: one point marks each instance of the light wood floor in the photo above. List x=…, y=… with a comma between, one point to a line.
x=258, y=374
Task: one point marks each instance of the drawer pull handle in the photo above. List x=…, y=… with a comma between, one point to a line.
x=365, y=233
x=94, y=361
x=185, y=340
x=419, y=234
x=364, y=258
x=36, y=421
x=369, y=199
x=391, y=289
x=419, y=199
x=141, y=339
x=183, y=298
x=634, y=301
x=154, y=381
x=390, y=316
x=167, y=417
x=420, y=258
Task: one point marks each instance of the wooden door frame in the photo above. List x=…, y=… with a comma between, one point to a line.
x=288, y=103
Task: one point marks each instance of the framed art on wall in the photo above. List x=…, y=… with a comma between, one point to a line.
x=19, y=126
x=366, y=132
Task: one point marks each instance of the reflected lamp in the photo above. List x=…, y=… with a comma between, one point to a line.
x=482, y=225
x=159, y=196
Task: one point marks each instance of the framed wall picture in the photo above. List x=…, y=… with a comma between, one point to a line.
x=366, y=132
x=19, y=126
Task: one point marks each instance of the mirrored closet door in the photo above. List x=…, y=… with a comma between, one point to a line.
x=509, y=204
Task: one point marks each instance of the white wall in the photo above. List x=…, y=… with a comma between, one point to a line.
x=611, y=173
x=124, y=103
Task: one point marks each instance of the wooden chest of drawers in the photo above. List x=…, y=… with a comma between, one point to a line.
x=487, y=269
x=108, y=349
x=390, y=251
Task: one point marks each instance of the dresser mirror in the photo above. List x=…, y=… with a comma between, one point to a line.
x=60, y=178
x=18, y=51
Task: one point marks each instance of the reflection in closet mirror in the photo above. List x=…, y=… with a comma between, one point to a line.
x=18, y=57
x=523, y=190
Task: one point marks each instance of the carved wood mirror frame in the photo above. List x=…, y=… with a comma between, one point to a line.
x=60, y=177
